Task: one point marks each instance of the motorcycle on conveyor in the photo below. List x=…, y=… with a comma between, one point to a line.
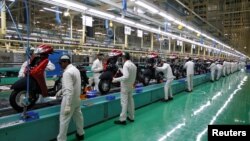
x=37, y=83
x=110, y=71
x=149, y=70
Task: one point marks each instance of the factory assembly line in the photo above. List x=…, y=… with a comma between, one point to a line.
x=145, y=73
x=165, y=70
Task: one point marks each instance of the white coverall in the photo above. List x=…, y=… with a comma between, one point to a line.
x=71, y=102
x=189, y=66
x=97, y=67
x=168, y=74
x=127, y=84
x=231, y=67
x=212, y=68
x=224, y=68
x=219, y=70
x=228, y=68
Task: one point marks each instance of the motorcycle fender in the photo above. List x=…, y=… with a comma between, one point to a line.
x=147, y=72
x=21, y=84
x=106, y=75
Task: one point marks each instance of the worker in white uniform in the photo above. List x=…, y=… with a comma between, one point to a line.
x=228, y=67
x=168, y=75
x=231, y=67
x=224, y=68
x=97, y=69
x=212, y=68
x=71, y=102
x=189, y=66
x=219, y=70
x=127, y=87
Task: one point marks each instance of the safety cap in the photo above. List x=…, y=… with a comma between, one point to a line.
x=65, y=57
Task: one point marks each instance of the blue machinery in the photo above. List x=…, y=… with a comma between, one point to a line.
x=94, y=110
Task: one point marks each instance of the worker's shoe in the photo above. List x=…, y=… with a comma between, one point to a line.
x=170, y=98
x=129, y=119
x=120, y=122
x=164, y=100
x=80, y=137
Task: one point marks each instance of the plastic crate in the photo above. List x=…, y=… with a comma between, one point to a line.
x=138, y=88
x=30, y=116
x=110, y=97
x=91, y=94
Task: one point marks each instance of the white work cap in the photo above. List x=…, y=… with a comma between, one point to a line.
x=65, y=57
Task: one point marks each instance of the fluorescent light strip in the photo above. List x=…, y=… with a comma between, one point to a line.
x=166, y=16
x=52, y=10
x=180, y=23
x=125, y=20
x=101, y=13
x=150, y=8
x=142, y=26
x=158, y=31
x=71, y=4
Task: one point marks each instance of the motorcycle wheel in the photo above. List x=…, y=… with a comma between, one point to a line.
x=146, y=80
x=104, y=86
x=16, y=99
x=159, y=78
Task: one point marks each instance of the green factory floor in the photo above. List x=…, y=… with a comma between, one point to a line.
x=226, y=101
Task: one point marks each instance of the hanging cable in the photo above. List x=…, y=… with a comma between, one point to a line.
x=19, y=35
x=27, y=55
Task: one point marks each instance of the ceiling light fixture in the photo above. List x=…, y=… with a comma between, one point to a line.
x=166, y=16
x=150, y=8
x=71, y=4
x=101, y=13
x=52, y=10
x=142, y=26
x=125, y=20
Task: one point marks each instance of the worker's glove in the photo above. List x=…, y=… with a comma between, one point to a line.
x=113, y=81
x=59, y=93
x=66, y=110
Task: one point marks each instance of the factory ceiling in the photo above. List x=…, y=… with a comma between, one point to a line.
x=226, y=20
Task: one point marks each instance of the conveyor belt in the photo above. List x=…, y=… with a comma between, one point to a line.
x=6, y=110
x=9, y=110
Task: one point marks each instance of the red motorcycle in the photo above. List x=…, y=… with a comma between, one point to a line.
x=37, y=84
x=110, y=70
x=150, y=72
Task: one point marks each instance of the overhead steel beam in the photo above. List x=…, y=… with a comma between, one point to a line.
x=198, y=16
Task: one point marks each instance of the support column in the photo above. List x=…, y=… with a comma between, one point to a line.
x=152, y=41
x=169, y=45
x=184, y=48
x=83, y=34
x=71, y=27
x=198, y=50
x=114, y=34
x=142, y=41
x=174, y=46
x=191, y=50
x=161, y=40
x=3, y=18
x=204, y=54
x=126, y=41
